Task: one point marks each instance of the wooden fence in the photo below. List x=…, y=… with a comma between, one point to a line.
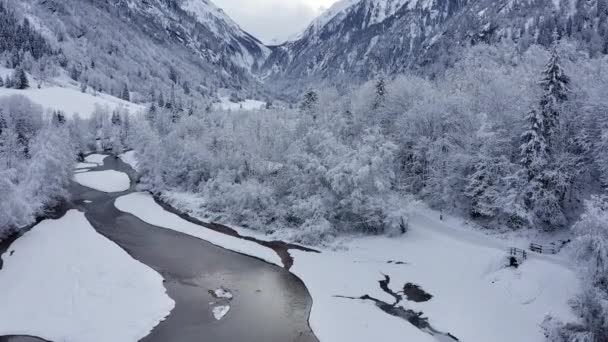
x=518, y=253
x=552, y=248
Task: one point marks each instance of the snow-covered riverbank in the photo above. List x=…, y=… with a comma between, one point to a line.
x=62, y=281
x=475, y=297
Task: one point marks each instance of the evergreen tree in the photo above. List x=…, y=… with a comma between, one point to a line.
x=309, y=103
x=380, y=93
x=555, y=92
x=151, y=113
x=483, y=188
x=534, y=147
x=161, y=100
x=20, y=80
x=116, y=120
x=125, y=95
x=58, y=118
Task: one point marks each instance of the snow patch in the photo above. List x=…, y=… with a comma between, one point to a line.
x=62, y=281
x=129, y=158
x=96, y=159
x=248, y=104
x=106, y=181
x=71, y=101
x=146, y=209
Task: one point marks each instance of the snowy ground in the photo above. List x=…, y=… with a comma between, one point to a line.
x=248, y=104
x=129, y=158
x=142, y=205
x=474, y=297
x=106, y=181
x=61, y=94
x=95, y=159
x=62, y=281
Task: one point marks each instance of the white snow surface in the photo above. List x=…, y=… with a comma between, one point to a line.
x=64, y=95
x=129, y=158
x=248, y=104
x=95, y=159
x=145, y=208
x=71, y=101
x=66, y=282
x=474, y=297
x=106, y=181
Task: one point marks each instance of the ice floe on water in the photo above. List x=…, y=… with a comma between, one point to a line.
x=220, y=311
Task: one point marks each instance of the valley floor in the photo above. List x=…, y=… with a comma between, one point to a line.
x=439, y=281
x=475, y=297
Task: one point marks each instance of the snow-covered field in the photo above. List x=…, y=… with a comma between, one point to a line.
x=62, y=281
x=474, y=297
x=142, y=205
x=63, y=95
x=248, y=104
x=106, y=181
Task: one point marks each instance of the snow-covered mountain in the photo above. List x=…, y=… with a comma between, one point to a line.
x=162, y=44
x=357, y=39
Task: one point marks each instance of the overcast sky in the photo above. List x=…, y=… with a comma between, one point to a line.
x=273, y=19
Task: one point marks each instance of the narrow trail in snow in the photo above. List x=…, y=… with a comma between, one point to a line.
x=268, y=302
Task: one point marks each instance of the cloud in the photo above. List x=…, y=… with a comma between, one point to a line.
x=271, y=20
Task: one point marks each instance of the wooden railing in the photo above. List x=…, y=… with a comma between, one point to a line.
x=518, y=253
x=552, y=248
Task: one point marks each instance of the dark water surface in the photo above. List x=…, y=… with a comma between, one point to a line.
x=270, y=304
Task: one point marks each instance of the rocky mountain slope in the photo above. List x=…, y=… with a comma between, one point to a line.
x=361, y=39
x=189, y=47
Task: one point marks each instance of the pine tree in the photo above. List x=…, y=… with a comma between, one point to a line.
x=483, y=186
x=20, y=80
x=380, y=93
x=125, y=95
x=555, y=91
x=161, y=100
x=116, y=120
x=151, y=113
x=309, y=104
x=1, y=82
x=534, y=146
x=58, y=118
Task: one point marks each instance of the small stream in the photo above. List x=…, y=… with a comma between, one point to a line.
x=269, y=303
x=413, y=293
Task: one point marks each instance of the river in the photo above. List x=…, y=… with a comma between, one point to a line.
x=269, y=303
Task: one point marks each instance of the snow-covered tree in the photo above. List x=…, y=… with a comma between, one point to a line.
x=20, y=80
x=535, y=156
x=309, y=103
x=591, y=251
x=125, y=94
x=555, y=84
